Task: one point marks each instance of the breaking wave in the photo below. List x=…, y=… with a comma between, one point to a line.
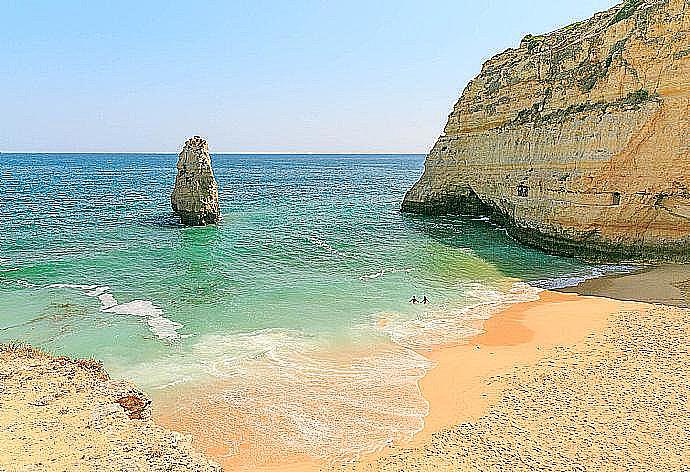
x=383, y=272
x=576, y=278
x=324, y=245
x=158, y=324
x=446, y=326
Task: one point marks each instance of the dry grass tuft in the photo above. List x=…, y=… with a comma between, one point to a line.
x=21, y=349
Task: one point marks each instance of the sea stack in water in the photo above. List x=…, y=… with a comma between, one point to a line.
x=577, y=141
x=195, y=196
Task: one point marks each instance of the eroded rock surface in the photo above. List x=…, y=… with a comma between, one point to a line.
x=58, y=413
x=578, y=141
x=195, y=196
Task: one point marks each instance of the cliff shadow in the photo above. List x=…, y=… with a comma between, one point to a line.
x=666, y=284
x=488, y=241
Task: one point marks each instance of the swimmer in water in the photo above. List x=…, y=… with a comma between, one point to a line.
x=425, y=300
x=414, y=300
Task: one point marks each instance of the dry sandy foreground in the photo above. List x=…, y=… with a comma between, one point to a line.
x=61, y=414
x=618, y=401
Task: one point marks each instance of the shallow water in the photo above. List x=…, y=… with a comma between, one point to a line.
x=292, y=312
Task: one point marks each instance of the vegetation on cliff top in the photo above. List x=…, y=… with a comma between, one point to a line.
x=626, y=11
x=532, y=41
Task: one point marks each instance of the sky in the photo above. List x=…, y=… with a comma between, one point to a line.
x=250, y=76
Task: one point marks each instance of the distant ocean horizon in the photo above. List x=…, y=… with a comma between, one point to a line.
x=304, y=155
x=293, y=312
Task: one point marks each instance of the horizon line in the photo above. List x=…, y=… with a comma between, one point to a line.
x=256, y=153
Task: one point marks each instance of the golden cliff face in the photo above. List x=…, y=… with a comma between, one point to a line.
x=578, y=141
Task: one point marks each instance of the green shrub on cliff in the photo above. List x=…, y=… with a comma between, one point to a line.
x=573, y=25
x=532, y=41
x=638, y=96
x=626, y=11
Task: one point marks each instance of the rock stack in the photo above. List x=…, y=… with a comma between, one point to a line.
x=195, y=196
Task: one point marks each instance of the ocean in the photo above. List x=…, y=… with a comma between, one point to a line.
x=291, y=318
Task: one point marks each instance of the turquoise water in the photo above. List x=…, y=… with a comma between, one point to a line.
x=312, y=258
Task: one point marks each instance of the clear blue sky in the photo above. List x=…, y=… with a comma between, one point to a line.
x=301, y=76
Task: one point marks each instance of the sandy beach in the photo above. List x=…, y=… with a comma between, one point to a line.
x=617, y=401
x=567, y=382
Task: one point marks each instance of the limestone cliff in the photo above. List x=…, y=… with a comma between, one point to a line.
x=577, y=141
x=195, y=196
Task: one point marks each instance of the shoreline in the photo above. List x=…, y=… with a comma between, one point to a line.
x=467, y=385
x=471, y=382
x=468, y=380
x=615, y=401
x=517, y=336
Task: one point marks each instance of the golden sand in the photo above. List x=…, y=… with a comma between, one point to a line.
x=458, y=388
x=561, y=383
x=527, y=338
x=618, y=400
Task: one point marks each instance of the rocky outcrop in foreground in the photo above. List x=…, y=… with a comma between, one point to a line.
x=58, y=413
x=195, y=196
x=577, y=141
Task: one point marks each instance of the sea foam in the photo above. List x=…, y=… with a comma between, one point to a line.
x=437, y=326
x=324, y=245
x=575, y=278
x=383, y=272
x=158, y=324
x=294, y=395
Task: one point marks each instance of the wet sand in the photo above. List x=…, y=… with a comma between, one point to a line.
x=471, y=380
x=667, y=284
x=352, y=399
x=567, y=382
x=616, y=401
x=457, y=388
